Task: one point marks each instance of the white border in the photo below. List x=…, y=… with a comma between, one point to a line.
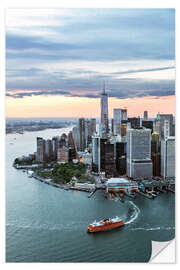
x=65, y=4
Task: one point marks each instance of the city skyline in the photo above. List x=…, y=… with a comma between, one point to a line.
x=58, y=59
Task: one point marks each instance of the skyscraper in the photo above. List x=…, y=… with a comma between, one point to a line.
x=159, y=124
x=104, y=113
x=148, y=124
x=135, y=122
x=139, y=163
x=76, y=138
x=168, y=157
x=40, y=156
x=82, y=134
x=120, y=116
x=145, y=115
x=117, y=121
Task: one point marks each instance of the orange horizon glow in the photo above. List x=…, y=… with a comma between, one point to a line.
x=62, y=106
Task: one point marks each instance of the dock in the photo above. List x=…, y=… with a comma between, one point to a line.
x=92, y=193
x=132, y=196
x=145, y=194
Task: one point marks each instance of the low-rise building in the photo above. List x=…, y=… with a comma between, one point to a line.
x=120, y=184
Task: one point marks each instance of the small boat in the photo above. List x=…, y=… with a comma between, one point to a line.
x=30, y=173
x=105, y=225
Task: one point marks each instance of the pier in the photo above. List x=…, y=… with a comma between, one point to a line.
x=145, y=194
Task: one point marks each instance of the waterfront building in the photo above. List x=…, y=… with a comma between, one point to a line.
x=109, y=159
x=82, y=134
x=103, y=159
x=156, y=162
x=148, y=124
x=104, y=114
x=40, y=153
x=145, y=115
x=168, y=157
x=120, y=157
x=95, y=153
x=139, y=163
x=120, y=185
x=135, y=122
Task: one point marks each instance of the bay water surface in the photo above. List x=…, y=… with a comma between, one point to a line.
x=46, y=224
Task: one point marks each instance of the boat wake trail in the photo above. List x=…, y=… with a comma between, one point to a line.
x=134, y=213
x=154, y=229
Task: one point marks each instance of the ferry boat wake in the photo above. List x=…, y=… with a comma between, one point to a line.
x=135, y=213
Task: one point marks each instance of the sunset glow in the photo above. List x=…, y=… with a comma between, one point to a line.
x=60, y=106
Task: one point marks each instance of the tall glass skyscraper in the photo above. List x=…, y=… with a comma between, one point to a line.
x=104, y=113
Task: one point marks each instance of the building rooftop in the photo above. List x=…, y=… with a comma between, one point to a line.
x=117, y=180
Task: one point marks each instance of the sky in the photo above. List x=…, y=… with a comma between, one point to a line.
x=57, y=61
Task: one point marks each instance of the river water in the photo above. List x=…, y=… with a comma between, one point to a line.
x=46, y=224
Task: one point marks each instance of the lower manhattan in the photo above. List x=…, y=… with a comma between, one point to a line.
x=90, y=134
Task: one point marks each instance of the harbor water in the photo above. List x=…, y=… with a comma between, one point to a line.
x=47, y=224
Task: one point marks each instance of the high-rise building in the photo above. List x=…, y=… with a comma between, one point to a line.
x=159, y=124
x=120, y=157
x=120, y=117
x=117, y=121
x=103, y=156
x=148, y=124
x=72, y=148
x=168, y=157
x=54, y=147
x=96, y=153
x=135, y=122
x=92, y=126
x=139, y=163
x=112, y=126
x=124, y=114
x=82, y=134
x=62, y=154
x=40, y=153
x=109, y=159
x=166, y=129
x=76, y=137
x=48, y=150
x=63, y=140
x=155, y=143
x=123, y=129
x=145, y=115
x=104, y=114
x=156, y=162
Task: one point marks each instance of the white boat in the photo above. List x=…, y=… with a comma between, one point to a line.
x=30, y=173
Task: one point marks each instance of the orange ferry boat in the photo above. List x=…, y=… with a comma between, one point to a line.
x=105, y=225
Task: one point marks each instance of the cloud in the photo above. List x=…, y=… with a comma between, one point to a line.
x=123, y=88
x=77, y=49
